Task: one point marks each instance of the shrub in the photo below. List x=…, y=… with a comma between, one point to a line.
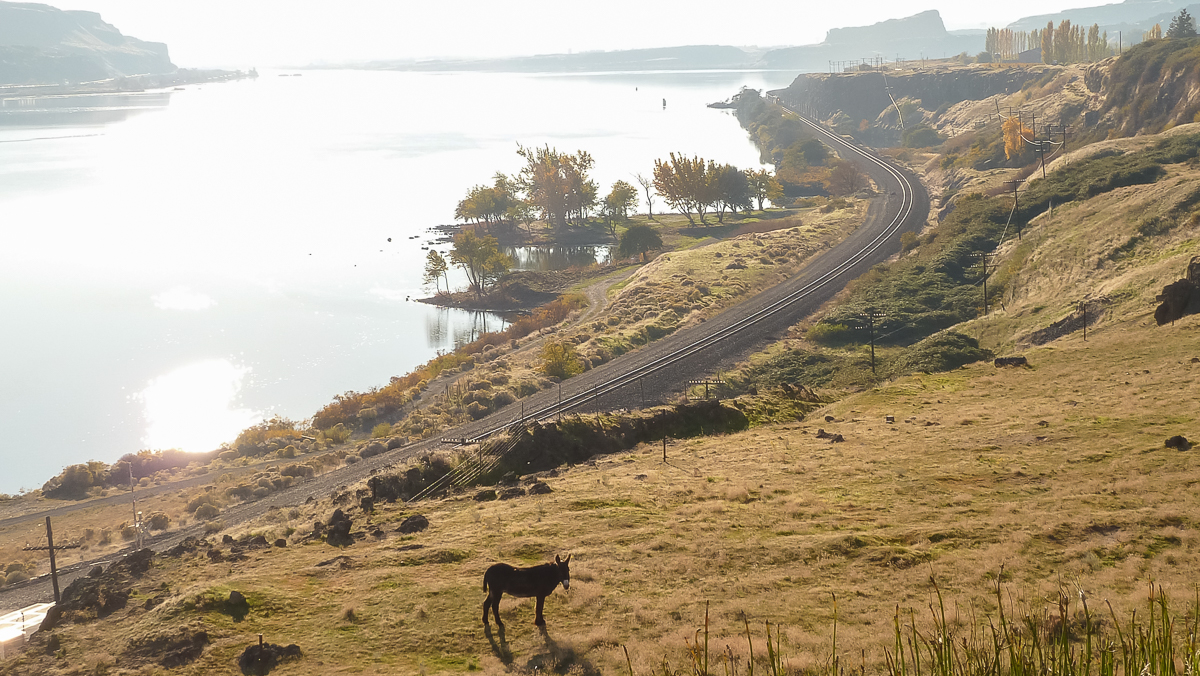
x=476, y=410
x=287, y=452
x=298, y=470
x=381, y=430
x=560, y=360
x=351, y=459
x=823, y=333
x=159, y=521
x=15, y=577
x=503, y=398
x=338, y=434
x=206, y=511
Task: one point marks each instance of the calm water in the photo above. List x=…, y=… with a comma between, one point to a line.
x=179, y=264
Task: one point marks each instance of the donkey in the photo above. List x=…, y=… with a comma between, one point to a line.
x=539, y=581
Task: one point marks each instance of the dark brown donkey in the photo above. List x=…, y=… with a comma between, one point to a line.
x=538, y=581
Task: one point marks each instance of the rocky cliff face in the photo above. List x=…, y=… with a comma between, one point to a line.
x=864, y=95
x=41, y=44
x=908, y=38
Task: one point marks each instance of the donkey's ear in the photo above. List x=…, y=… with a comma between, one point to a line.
x=558, y=560
x=568, y=559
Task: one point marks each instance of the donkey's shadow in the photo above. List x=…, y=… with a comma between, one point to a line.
x=499, y=645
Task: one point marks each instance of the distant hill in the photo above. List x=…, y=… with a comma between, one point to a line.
x=693, y=57
x=40, y=44
x=908, y=38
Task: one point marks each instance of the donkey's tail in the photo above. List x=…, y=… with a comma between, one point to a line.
x=485, y=581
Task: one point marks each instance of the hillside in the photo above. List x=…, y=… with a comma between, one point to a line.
x=43, y=45
x=932, y=505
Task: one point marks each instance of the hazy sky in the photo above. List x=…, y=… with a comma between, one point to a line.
x=243, y=33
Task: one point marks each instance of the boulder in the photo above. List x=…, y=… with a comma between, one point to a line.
x=540, y=488
x=485, y=495
x=174, y=647
x=339, y=530
x=1180, y=298
x=261, y=658
x=1011, y=361
x=414, y=524
x=513, y=492
x=1178, y=442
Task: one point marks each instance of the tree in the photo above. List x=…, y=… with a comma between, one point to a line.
x=1014, y=141
x=480, y=258
x=775, y=192
x=637, y=240
x=647, y=185
x=731, y=188
x=557, y=183
x=624, y=196
x=1182, y=26
x=684, y=183
x=560, y=360
x=760, y=182
x=845, y=178
x=435, y=269
x=1048, y=43
x=1155, y=33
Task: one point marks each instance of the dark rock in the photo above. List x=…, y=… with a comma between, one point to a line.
x=828, y=418
x=53, y=617
x=409, y=548
x=237, y=598
x=339, y=530
x=188, y=546
x=367, y=504
x=259, y=542
x=96, y=571
x=1011, y=361
x=822, y=434
x=508, y=479
x=281, y=543
x=261, y=659
x=414, y=524
x=215, y=556
x=513, y=492
x=1180, y=298
x=485, y=495
x=227, y=539
x=836, y=439
x=173, y=648
x=101, y=595
x=154, y=601
x=540, y=488
x=1178, y=442
x=342, y=562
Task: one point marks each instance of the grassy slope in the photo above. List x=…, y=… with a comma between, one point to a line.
x=766, y=525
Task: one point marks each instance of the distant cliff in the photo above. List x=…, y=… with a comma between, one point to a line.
x=910, y=38
x=43, y=45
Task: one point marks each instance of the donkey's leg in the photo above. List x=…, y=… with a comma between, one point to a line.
x=496, y=609
x=538, y=619
x=486, y=602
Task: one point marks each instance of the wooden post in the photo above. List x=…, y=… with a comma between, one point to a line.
x=664, y=451
x=53, y=564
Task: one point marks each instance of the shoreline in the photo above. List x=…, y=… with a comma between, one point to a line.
x=127, y=85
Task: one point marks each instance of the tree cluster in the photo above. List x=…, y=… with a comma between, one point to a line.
x=1073, y=44
x=480, y=259
x=558, y=184
x=693, y=185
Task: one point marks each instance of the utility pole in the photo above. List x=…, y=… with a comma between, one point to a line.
x=1082, y=308
x=1016, y=204
x=983, y=260
x=1042, y=151
x=871, y=315
x=53, y=563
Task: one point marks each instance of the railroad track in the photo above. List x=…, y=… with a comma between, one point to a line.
x=650, y=374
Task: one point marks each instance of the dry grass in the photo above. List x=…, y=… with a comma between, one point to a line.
x=1059, y=476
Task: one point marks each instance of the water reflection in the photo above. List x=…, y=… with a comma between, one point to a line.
x=79, y=109
x=460, y=327
x=192, y=408
x=545, y=258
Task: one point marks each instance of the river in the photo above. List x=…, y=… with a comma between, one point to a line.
x=179, y=264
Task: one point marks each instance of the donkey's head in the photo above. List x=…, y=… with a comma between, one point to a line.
x=564, y=570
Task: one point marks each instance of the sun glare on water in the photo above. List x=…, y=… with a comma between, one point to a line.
x=192, y=408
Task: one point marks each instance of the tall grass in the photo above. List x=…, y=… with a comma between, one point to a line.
x=1063, y=638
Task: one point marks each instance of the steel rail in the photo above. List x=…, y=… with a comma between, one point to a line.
x=771, y=309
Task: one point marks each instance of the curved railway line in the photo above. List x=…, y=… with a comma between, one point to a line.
x=653, y=373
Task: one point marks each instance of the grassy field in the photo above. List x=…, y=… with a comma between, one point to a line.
x=1056, y=474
